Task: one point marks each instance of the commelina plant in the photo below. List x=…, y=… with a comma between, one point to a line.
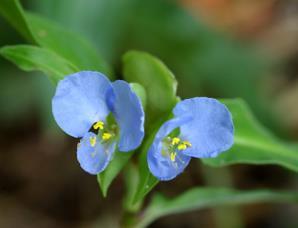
x=109, y=115
x=154, y=140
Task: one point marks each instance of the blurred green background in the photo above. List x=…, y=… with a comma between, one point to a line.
x=217, y=48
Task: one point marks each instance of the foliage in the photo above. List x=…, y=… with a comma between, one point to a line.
x=57, y=52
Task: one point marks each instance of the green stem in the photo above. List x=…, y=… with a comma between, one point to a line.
x=128, y=220
x=131, y=210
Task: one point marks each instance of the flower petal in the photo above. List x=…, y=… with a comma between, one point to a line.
x=160, y=165
x=129, y=114
x=94, y=159
x=211, y=129
x=80, y=101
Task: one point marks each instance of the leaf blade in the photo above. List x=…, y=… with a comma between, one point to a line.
x=159, y=82
x=65, y=43
x=198, y=198
x=12, y=11
x=30, y=58
x=110, y=173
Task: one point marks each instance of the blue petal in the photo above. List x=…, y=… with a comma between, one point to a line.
x=94, y=159
x=211, y=129
x=159, y=165
x=80, y=101
x=129, y=114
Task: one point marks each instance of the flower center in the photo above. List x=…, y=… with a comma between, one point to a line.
x=106, y=131
x=172, y=145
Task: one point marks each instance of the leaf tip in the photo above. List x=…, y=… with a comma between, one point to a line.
x=102, y=186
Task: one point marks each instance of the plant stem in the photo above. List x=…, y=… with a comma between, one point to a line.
x=131, y=210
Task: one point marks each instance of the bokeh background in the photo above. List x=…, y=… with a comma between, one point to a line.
x=217, y=48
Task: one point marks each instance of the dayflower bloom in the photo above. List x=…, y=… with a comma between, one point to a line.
x=104, y=115
x=201, y=128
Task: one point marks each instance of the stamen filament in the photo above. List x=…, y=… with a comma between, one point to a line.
x=92, y=141
x=173, y=156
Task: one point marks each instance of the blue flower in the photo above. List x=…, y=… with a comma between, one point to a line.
x=201, y=128
x=104, y=115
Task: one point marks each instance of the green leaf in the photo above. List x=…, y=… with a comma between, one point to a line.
x=109, y=174
x=141, y=93
x=158, y=81
x=146, y=180
x=131, y=177
x=199, y=198
x=253, y=143
x=12, y=11
x=67, y=44
x=31, y=58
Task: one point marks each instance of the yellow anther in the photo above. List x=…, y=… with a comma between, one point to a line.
x=98, y=125
x=182, y=146
x=187, y=143
x=175, y=141
x=106, y=136
x=173, y=156
x=92, y=141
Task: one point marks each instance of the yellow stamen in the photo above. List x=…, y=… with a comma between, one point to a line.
x=187, y=143
x=182, y=146
x=173, y=156
x=175, y=141
x=106, y=136
x=92, y=141
x=98, y=125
